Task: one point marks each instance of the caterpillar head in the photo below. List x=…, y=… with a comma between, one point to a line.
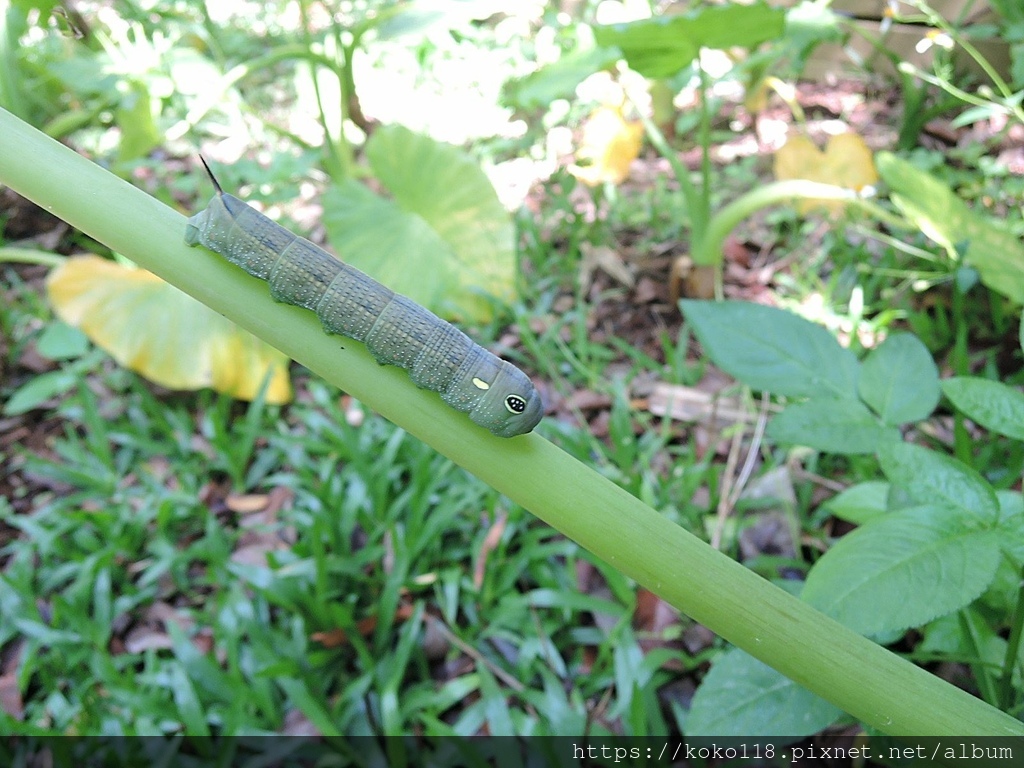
x=510, y=404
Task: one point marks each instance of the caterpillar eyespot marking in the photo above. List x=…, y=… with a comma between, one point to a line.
x=396, y=330
x=515, y=404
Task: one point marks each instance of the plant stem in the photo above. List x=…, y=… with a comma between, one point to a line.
x=728, y=217
x=13, y=255
x=1005, y=682
x=872, y=684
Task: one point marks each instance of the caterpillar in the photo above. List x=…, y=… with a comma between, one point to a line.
x=396, y=330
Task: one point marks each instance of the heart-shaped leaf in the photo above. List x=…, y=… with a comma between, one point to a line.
x=442, y=240
x=845, y=162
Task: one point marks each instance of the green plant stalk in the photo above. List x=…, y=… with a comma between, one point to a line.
x=702, y=214
x=984, y=674
x=339, y=153
x=1005, y=682
x=898, y=245
x=873, y=685
x=958, y=93
x=11, y=96
x=963, y=445
x=709, y=251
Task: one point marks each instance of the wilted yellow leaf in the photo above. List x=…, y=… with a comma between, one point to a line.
x=167, y=336
x=846, y=162
x=609, y=144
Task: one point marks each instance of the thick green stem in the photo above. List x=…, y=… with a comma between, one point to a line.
x=873, y=685
x=709, y=251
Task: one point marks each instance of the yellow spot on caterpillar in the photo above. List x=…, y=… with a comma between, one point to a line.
x=480, y=383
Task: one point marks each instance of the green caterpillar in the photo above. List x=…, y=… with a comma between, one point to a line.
x=396, y=330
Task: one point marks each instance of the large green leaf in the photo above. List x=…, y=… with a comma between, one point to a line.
x=860, y=503
x=741, y=695
x=832, y=425
x=444, y=238
x=663, y=46
x=993, y=250
x=899, y=380
x=992, y=404
x=904, y=569
x=929, y=477
x=773, y=350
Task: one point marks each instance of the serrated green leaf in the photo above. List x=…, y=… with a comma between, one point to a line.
x=899, y=380
x=991, y=404
x=1011, y=527
x=834, y=426
x=932, y=478
x=443, y=240
x=773, y=350
x=969, y=632
x=741, y=695
x=860, y=503
x=904, y=569
x=1004, y=590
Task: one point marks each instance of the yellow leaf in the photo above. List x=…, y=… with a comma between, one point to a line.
x=846, y=162
x=167, y=336
x=609, y=145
